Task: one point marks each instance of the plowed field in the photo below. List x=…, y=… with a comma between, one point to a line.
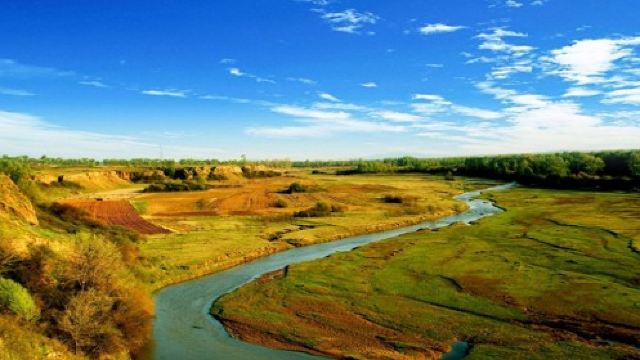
x=118, y=212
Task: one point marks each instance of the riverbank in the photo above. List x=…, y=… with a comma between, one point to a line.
x=553, y=277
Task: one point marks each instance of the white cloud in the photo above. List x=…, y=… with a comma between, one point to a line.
x=370, y=85
x=94, y=83
x=555, y=126
x=623, y=96
x=321, y=123
x=436, y=104
x=476, y=112
x=494, y=41
x=350, y=20
x=24, y=134
x=340, y=106
x=397, y=116
x=167, y=92
x=587, y=61
x=328, y=97
x=15, y=92
x=228, y=61
x=503, y=72
x=234, y=71
x=521, y=102
x=430, y=29
x=513, y=4
x=539, y=2
x=302, y=80
x=430, y=97
x=301, y=112
x=581, y=92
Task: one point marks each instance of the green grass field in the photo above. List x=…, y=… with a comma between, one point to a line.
x=556, y=276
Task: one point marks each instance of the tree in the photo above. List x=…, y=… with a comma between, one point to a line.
x=92, y=264
x=585, y=163
x=86, y=321
x=634, y=164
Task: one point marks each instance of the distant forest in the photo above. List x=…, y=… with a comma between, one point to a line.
x=603, y=169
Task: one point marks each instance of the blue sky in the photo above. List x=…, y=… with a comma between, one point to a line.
x=317, y=79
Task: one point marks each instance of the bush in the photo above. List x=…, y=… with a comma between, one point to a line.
x=319, y=210
x=397, y=199
x=281, y=203
x=140, y=206
x=295, y=188
x=17, y=299
x=392, y=199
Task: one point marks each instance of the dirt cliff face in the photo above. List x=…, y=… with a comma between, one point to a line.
x=14, y=204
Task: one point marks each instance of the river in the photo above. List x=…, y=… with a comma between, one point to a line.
x=183, y=328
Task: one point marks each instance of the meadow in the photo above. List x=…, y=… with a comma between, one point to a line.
x=555, y=276
x=222, y=227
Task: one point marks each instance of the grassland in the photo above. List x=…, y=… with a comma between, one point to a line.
x=229, y=225
x=556, y=276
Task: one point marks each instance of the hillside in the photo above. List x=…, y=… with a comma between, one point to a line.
x=14, y=204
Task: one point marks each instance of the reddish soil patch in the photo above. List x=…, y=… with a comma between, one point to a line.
x=118, y=212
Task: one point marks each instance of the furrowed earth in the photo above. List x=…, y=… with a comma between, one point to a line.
x=555, y=276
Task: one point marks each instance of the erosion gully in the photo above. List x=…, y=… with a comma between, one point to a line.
x=184, y=329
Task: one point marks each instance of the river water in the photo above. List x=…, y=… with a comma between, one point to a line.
x=183, y=328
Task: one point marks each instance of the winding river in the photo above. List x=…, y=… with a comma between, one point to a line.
x=183, y=328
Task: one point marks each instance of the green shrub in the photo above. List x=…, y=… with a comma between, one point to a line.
x=15, y=298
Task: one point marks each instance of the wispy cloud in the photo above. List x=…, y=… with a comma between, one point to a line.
x=12, y=68
x=94, y=83
x=15, y=92
x=167, y=92
x=435, y=104
x=302, y=80
x=321, y=123
x=234, y=71
x=430, y=29
x=395, y=116
x=494, y=41
x=513, y=4
x=328, y=97
x=369, y=85
x=310, y=113
x=349, y=21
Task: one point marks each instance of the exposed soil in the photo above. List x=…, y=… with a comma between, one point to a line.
x=120, y=213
